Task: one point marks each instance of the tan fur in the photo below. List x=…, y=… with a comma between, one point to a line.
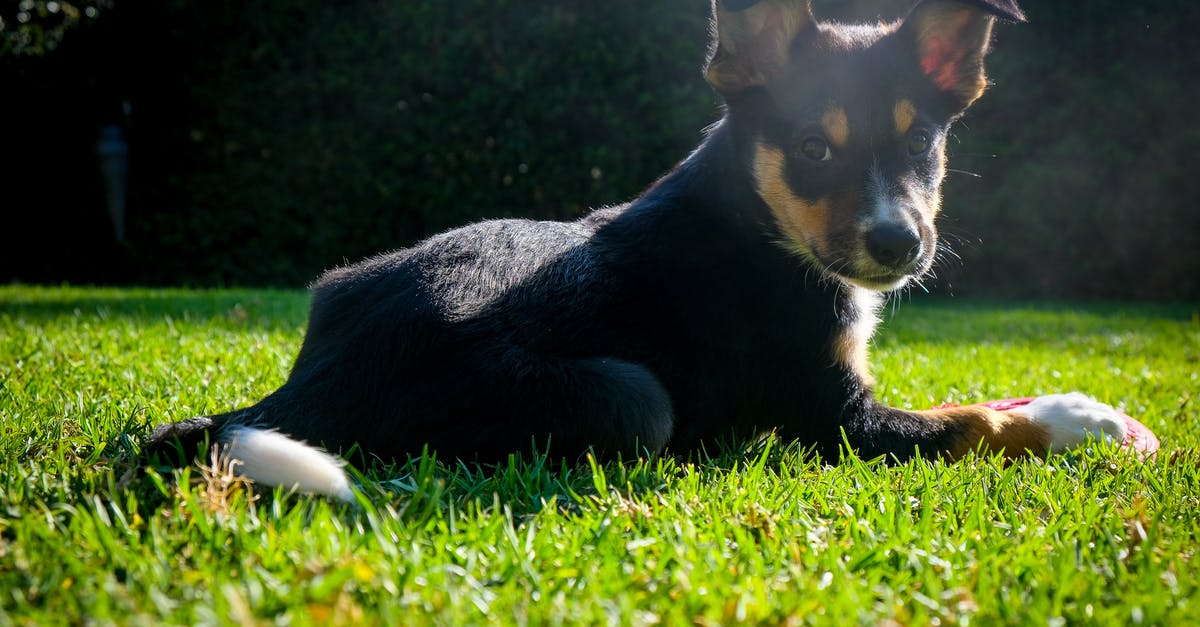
x=993, y=431
x=804, y=223
x=903, y=114
x=836, y=126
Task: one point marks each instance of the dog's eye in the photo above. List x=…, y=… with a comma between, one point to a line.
x=918, y=143
x=816, y=149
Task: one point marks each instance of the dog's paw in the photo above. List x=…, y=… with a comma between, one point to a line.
x=1071, y=419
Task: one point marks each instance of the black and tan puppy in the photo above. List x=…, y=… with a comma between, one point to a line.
x=735, y=296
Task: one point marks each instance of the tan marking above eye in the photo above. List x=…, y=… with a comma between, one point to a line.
x=836, y=126
x=903, y=114
x=804, y=223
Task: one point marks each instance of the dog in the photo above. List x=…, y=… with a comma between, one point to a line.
x=736, y=296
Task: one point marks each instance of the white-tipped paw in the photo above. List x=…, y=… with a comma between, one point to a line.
x=1071, y=419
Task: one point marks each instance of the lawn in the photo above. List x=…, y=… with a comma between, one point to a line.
x=767, y=537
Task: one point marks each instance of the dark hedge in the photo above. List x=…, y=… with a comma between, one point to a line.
x=272, y=139
x=320, y=132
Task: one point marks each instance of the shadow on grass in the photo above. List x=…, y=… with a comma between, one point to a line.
x=528, y=483
x=269, y=309
x=424, y=489
x=930, y=320
x=974, y=322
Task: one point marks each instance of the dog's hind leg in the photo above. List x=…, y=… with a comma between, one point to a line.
x=610, y=406
x=480, y=409
x=520, y=402
x=261, y=454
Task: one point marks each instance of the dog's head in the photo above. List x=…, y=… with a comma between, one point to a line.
x=844, y=127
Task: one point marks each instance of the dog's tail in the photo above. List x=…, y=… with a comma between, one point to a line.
x=264, y=456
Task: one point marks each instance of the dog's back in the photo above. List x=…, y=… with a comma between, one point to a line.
x=510, y=310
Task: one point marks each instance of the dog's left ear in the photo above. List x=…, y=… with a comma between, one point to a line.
x=951, y=37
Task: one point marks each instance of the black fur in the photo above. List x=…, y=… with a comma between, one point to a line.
x=666, y=324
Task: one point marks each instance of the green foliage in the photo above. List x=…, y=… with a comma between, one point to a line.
x=762, y=538
x=35, y=27
x=1086, y=148
x=320, y=132
x=273, y=139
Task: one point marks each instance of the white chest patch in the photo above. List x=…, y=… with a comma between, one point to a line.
x=851, y=347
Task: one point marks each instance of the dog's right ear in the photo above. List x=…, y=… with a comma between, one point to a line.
x=751, y=40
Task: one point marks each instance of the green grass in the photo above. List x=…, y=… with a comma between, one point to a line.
x=769, y=537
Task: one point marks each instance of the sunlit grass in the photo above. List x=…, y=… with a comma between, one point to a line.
x=769, y=537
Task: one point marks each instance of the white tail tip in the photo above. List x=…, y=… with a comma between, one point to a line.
x=272, y=458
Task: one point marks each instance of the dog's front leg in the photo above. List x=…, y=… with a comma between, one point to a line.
x=1055, y=422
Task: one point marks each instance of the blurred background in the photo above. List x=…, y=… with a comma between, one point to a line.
x=200, y=143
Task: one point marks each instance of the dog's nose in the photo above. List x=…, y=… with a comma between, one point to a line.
x=893, y=245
